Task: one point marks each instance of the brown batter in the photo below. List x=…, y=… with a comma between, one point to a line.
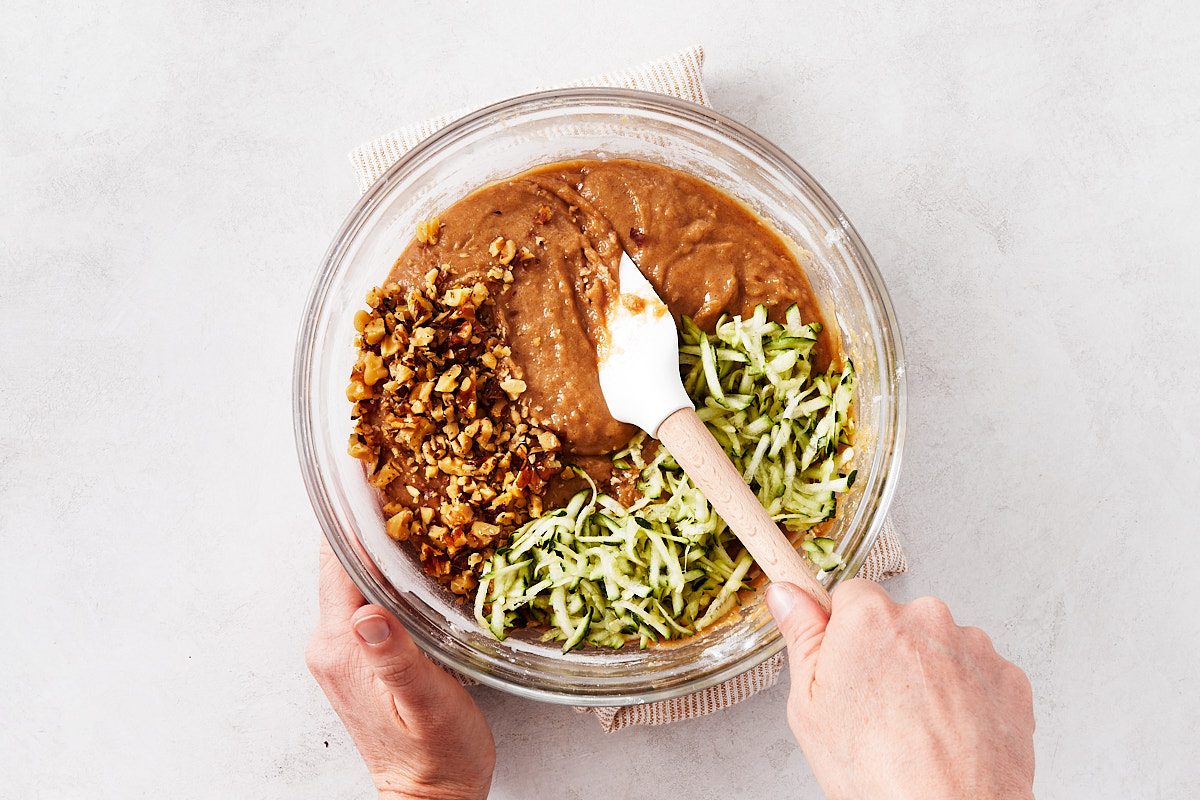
x=476, y=378
x=703, y=251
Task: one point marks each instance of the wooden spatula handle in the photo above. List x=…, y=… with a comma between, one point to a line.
x=710, y=469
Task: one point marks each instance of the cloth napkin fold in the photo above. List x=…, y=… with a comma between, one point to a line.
x=679, y=75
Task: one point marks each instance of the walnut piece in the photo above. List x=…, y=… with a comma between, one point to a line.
x=429, y=230
x=514, y=387
x=503, y=249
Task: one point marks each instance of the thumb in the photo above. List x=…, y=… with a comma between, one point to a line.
x=802, y=622
x=415, y=683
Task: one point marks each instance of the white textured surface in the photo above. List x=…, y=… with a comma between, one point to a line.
x=1026, y=175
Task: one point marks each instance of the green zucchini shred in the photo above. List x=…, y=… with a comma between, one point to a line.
x=599, y=573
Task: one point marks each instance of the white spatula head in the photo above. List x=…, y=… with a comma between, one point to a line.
x=639, y=364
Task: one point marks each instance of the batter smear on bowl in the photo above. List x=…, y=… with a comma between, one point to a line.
x=479, y=412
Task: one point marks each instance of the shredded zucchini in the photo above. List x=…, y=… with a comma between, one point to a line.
x=597, y=572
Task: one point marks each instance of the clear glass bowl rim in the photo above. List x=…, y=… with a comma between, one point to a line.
x=877, y=299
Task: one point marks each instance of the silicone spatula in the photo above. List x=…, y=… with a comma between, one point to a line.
x=639, y=376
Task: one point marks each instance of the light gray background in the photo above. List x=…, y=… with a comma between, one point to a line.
x=1026, y=175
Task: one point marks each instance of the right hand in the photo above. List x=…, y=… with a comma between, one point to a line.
x=892, y=701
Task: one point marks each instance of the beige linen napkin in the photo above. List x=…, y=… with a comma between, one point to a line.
x=678, y=75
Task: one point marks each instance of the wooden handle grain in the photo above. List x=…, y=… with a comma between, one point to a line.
x=710, y=469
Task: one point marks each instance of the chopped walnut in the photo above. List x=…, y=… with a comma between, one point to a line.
x=503, y=249
x=429, y=230
x=436, y=422
x=514, y=387
x=399, y=526
x=463, y=584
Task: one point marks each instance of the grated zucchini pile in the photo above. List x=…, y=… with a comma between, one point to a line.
x=597, y=572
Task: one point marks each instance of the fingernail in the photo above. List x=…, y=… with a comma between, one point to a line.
x=373, y=630
x=781, y=599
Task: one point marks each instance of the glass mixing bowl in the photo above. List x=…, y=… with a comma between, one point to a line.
x=497, y=142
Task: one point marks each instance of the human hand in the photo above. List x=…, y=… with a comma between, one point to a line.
x=417, y=729
x=891, y=701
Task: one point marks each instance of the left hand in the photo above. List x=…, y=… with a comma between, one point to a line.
x=418, y=730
